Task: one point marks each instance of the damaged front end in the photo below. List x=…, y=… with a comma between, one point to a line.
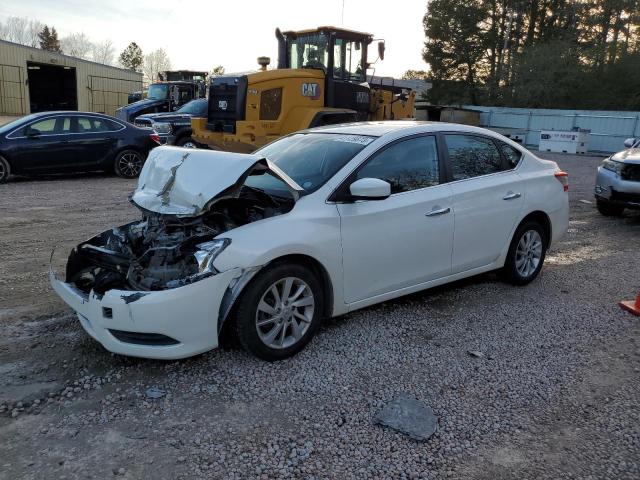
x=187, y=199
x=156, y=253
x=123, y=284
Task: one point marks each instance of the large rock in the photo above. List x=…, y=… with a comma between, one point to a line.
x=409, y=416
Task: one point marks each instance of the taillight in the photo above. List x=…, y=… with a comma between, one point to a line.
x=563, y=178
x=155, y=138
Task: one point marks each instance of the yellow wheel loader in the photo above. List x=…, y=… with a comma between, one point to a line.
x=320, y=80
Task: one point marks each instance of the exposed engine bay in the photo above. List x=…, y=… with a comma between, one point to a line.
x=164, y=251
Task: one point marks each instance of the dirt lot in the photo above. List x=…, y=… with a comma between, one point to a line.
x=556, y=393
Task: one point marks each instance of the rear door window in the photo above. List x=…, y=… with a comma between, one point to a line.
x=84, y=125
x=512, y=154
x=407, y=165
x=111, y=125
x=472, y=156
x=95, y=125
x=100, y=125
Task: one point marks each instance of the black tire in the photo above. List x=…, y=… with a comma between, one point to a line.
x=128, y=163
x=186, y=142
x=609, y=209
x=247, y=314
x=513, y=266
x=5, y=170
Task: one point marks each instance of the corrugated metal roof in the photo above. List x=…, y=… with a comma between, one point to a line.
x=98, y=87
x=63, y=56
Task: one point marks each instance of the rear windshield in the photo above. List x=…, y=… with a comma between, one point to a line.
x=310, y=159
x=194, y=107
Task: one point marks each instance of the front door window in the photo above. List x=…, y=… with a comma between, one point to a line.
x=348, y=60
x=48, y=126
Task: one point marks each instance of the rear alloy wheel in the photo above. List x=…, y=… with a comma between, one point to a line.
x=5, y=170
x=609, y=209
x=279, y=312
x=526, y=254
x=187, y=142
x=128, y=164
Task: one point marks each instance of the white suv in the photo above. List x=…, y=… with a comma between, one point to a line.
x=618, y=180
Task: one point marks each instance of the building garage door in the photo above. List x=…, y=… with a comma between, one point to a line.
x=51, y=87
x=11, y=90
x=106, y=94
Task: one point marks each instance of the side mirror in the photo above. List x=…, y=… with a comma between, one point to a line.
x=370, y=189
x=32, y=133
x=381, y=48
x=629, y=142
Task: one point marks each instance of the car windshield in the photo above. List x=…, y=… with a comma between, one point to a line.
x=158, y=91
x=16, y=123
x=310, y=159
x=194, y=107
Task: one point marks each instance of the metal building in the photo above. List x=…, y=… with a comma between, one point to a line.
x=607, y=129
x=34, y=80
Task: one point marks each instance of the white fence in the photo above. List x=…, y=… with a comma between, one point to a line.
x=608, y=129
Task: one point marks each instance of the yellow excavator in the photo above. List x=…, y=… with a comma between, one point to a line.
x=321, y=79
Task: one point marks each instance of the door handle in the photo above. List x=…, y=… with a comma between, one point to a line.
x=511, y=196
x=440, y=211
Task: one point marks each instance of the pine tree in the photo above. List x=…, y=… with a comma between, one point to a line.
x=131, y=57
x=49, y=40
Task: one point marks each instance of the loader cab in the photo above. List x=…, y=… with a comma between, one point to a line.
x=342, y=56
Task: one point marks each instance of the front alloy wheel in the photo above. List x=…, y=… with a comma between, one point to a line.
x=279, y=312
x=285, y=313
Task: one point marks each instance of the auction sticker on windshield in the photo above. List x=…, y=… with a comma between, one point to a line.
x=359, y=139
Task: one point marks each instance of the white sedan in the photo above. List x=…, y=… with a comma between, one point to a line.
x=316, y=224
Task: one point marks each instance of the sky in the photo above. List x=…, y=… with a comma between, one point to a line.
x=199, y=35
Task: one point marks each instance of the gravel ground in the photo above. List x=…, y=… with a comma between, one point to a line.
x=555, y=393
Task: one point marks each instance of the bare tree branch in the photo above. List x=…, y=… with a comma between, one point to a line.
x=77, y=45
x=21, y=30
x=155, y=62
x=103, y=52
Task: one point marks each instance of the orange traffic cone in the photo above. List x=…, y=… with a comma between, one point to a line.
x=631, y=306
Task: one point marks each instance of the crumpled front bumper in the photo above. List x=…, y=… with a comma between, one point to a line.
x=186, y=315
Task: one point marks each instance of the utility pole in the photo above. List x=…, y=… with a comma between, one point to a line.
x=342, y=13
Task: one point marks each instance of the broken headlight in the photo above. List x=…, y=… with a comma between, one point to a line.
x=205, y=255
x=204, y=258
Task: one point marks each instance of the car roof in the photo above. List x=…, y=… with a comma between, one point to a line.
x=378, y=129
x=34, y=116
x=21, y=121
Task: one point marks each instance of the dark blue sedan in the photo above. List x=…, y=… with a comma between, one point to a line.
x=62, y=142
